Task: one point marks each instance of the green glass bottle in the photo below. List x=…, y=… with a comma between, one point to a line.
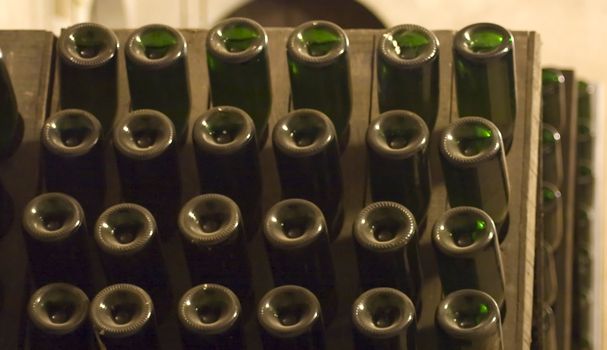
x=88, y=71
x=11, y=124
x=469, y=319
x=237, y=59
x=468, y=253
x=317, y=53
x=583, y=225
x=397, y=143
x=584, y=183
x=157, y=71
x=585, y=120
x=552, y=208
x=407, y=71
x=553, y=98
x=485, y=75
x=474, y=168
x=552, y=155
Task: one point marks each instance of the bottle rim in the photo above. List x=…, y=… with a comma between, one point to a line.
x=136, y=217
x=215, y=43
x=443, y=239
x=557, y=82
x=57, y=292
x=202, y=133
x=220, y=297
x=296, y=47
x=67, y=46
x=125, y=130
x=58, y=206
x=387, y=49
x=135, y=54
x=548, y=147
x=298, y=211
x=52, y=133
x=285, y=128
x=103, y=303
x=447, y=320
x=365, y=234
x=449, y=148
x=367, y=304
x=213, y=204
x=268, y=312
x=376, y=134
x=463, y=35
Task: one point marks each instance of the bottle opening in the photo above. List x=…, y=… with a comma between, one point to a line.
x=410, y=44
x=385, y=223
x=319, y=40
x=124, y=312
x=211, y=222
x=471, y=316
x=127, y=232
x=54, y=213
x=89, y=42
x=239, y=36
x=398, y=132
x=465, y=230
x=54, y=221
x=385, y=316
x=305, y=136
x=59, y=312
x=125, y=226
x=209, y=309
x=73, y=130
x=295, y=227
x=209, y=313
x=156, y=42
x=473, y=138
x=224, y=126
x=483, y=39
x=145, y=138
x=290, y=315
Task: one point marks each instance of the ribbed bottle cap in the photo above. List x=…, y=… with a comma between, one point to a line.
x=383, y=313
x=58, y=308
x=210, y=219
x=468, y=314
x=408, y=46
x=121, y=310
x=551, y=138
x=463, y=231
x=294, y=223
x=384, y=226
x=317, y=43
x=482, y=41
x=236, y=40
x=552, y=197
x=155, y=46
x=209, y=309
x=470, y=140
x=398, y=134
x=87, y=45
x=52, y=217
x=71, y=133
x=288, y=311
x=124, y=229
x=223, y=130
x=143, y=134
x=303, y=132
x=552, y=81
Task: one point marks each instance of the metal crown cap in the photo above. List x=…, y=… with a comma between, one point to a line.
x=278, y=301
x=463, y=36
x=297, y=47
x=443, y=235
x=135, y=47
x=374, y=301
x=400, y=224
x=303, y=121
x=143, y=121
x=214, y=296
x=298, y=214
x=388, y=49
x=450, y=140
x=125, y=216
x=55, y=297
x=53, y=206
x=68, y=48
x=71, y=121
x=218, y=209
x=216, y=43
x=401, y=122
x=232, y=120
x=459, y=303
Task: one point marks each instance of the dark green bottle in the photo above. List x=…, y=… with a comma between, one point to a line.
x=552, y=207
x=550, y=278
x=384, y=319
x=468, y=253
x=157, y=71
x=474, y=168
x=237, y=59
x=553, y=98
x=88, y=71
x=585, y=120
x=317, y=53
x=485, y=76
x=469, y=319
x=584, y=183
x=397, y=142
x=583, y=225
x=552, y=155
x=407, y=71
x=11, y=124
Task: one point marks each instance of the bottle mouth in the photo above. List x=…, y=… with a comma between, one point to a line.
x=553, y=81
x=124, y=229
x=223, y=130
x=58, y=308
x=468, y=314
x=294, y=223
x=121, y=310
x=209, y=309
x=209, y=219
x=144, y=134
x=288, y=311
x=385, y=226
x=552, y=197
x=463, y=231
x=470, y=140
x=383, y=313
x=52, y=217
x=317, y=43
x=71, y=132
x=483, y=41
x=303, y=132
x=237, y=40
x=88, y=45
x=551, y=139
x=398, y=134
x=408, y=45
x=155, y=46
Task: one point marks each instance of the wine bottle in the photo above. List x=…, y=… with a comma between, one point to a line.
x=553, y=98
x=552, y=207
x=552, y=155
